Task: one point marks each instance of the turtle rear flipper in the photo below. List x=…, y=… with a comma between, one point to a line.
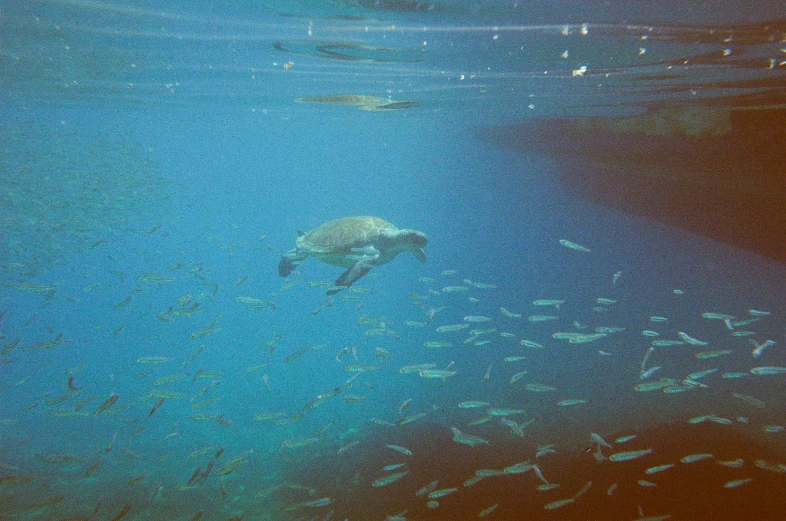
x=285, y=267
x=351, y=275
x=289, y=261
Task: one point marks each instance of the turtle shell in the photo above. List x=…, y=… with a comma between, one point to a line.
x=342, y=234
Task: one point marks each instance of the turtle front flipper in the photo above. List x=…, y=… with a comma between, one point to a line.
x=347, y=278
x=289, y=261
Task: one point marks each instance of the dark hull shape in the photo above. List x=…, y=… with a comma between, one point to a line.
x=714, y=171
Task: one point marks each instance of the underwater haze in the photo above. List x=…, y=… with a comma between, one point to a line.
x=597, y=331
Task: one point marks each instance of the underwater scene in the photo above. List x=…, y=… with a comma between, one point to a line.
x=392, y=260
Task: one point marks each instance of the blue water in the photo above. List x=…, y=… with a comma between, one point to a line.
x=208, y=167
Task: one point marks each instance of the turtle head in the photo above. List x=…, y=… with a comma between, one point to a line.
x=416, y=241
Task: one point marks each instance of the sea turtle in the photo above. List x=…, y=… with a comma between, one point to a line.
x=356, y=243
